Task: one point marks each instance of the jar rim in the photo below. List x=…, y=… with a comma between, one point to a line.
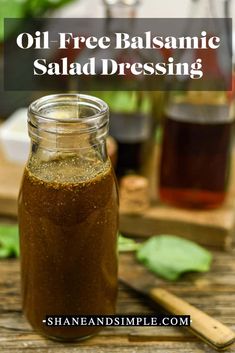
x=36, y=107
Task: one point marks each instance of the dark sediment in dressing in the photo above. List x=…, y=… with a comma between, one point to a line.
x=68, y=247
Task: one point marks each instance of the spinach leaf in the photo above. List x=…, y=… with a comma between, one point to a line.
x=9, y=241
x=127, y=244
x=169, y=256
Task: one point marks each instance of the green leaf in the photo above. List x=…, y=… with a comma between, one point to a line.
x=9, y=241
x=127, y=244
x=169, y=256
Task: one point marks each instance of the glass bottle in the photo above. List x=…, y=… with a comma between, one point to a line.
x=131, y=123
x=68, y=215
x=196, y=148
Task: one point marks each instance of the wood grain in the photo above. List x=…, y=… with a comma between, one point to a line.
x=10, y=178
x=217, y=335
x=213, y=228
x=213, y=293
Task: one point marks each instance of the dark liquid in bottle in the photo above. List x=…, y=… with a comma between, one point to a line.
x=68, y=244
x=129, y=157
x=195, y=156
x=131, y=132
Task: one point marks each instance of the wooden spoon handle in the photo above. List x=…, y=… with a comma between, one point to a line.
x=210, y=330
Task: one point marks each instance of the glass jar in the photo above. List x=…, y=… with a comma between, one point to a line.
x=196, y=153
x=68, y=215
x=196, y=149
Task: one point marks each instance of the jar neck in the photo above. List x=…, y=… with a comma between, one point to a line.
x=68, y=122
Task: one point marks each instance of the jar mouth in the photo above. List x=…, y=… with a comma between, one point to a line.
x=55, y=108
x=68, y=121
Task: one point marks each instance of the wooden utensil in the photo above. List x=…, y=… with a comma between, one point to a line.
x=204, y=326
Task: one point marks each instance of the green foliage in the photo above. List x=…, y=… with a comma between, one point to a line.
x=35, y=8
x=9, y=241
x=127, y=244
x=169, y=256
x=126, y=102
x=26, y=9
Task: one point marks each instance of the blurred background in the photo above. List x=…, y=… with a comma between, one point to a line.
x=149, y=131
x=97, y=8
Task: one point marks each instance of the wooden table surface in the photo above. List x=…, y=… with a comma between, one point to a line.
x=213, y=292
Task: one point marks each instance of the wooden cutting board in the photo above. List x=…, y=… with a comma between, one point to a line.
x=10, y=178
x=212, y=227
